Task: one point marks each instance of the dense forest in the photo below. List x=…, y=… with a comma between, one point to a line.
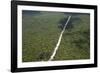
x=41, y=30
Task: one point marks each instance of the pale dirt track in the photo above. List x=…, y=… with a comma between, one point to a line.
x=59, y=40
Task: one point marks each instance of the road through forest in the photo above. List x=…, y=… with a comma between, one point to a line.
x=59, y=40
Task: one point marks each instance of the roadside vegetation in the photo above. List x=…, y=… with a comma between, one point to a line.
x=41, y=30
x=76, y=39
x=40, y=35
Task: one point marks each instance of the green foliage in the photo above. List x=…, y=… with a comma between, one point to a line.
x=76, y=41
x=40, y=33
